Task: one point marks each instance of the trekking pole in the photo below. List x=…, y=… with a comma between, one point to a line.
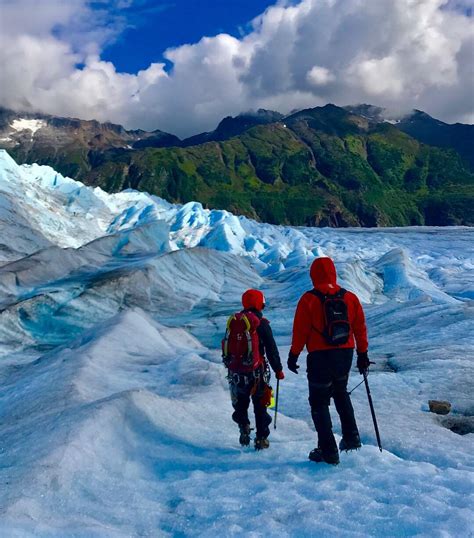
x=357, y=386
x=369, y=396
x=276, y=404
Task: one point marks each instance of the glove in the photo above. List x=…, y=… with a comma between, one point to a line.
x=292, y=360
x=280, y=375
x=363, y=362
x=226, y=360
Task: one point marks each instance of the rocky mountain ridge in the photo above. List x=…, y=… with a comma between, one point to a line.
x=326, y=166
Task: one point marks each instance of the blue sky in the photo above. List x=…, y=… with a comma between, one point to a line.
x=155, y=25
x=106, y=59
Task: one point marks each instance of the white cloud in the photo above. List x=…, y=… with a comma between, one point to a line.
x=320, y=76
x=403, y=54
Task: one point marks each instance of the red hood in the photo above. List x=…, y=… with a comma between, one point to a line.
x=323, y=275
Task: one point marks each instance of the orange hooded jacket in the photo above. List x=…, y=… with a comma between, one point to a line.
x=309, y=317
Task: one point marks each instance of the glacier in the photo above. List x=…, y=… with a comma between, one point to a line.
x=114, y=407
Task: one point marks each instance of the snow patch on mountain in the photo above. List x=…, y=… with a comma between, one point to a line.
x=23, y=124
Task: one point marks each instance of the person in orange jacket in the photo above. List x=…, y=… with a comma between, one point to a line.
x=328, y=365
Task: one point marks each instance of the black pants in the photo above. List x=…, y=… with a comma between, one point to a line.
x=241, y=394
x=328, y=374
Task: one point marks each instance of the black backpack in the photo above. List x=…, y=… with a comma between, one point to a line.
x=337, y=328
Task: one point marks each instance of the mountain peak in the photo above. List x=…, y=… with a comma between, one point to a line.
x=232, y=126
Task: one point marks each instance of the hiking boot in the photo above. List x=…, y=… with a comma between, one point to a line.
x=319, y=456
x=261, y=443
x=244, y=438
x=350, y=443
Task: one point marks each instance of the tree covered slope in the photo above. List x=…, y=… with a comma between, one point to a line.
x=324, y=166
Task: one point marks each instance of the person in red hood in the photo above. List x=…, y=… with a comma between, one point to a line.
x=328, y=365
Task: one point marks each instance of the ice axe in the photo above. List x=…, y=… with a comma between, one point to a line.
x=371, y=405
x=276, y=404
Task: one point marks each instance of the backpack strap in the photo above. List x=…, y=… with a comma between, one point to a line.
x=323, y=296
x=248, y=326
x=318, y=294
x=229, y=320
x=226, y=337
x=245, y=319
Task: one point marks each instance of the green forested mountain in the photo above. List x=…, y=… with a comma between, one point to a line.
x=424, y=128
x=321, y=166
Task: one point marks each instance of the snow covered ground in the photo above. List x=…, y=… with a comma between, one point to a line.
x=114, y=407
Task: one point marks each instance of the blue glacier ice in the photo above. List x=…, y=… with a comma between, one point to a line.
x=114, y=407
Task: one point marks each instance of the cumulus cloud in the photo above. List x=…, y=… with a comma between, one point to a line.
x=402, y=55
x=320, y=76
